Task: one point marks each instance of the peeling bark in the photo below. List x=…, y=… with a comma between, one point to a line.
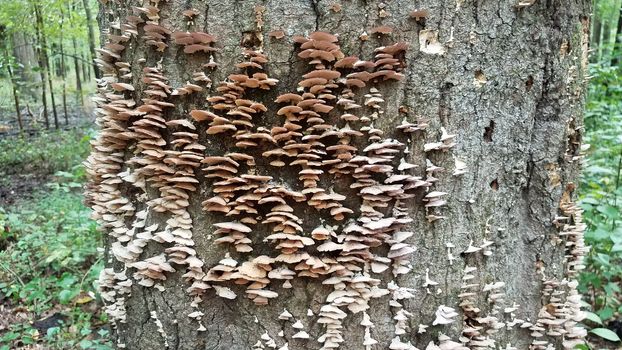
x=506, y=77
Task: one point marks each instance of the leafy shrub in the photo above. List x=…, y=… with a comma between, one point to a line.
x=601, y=193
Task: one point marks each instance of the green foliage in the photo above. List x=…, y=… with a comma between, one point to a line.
x=49, y=260
x=605, y=334
x=44, y=154
x=52, y=264
x=601, y=194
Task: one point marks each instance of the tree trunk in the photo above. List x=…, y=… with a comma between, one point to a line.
x=46, y=61
x=42, y=70
x=57, y=60
x=24, y=53
x=89, y=26
x=605, y=33
x=86, y=71
x=76, y=65
x=421, y=192
x=76, y=68
x=13, y=80
x=595, y=36
x=63, y=68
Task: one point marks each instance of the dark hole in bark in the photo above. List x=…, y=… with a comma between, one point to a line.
x=250, y=39
x=529, y=83
x=494, y=185
x=488, y=131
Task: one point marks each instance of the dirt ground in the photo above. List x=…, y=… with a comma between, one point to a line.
x=14, y=187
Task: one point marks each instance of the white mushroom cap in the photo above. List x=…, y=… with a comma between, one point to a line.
x=301, y=335
x=285, y=315
x=225, y=292
x=444, y=315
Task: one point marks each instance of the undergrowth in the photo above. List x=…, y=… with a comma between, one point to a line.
x=49, y=258
x=601, y=199
x=45, y=153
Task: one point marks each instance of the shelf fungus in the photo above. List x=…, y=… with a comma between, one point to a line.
x=344, y=218
x=444, y=315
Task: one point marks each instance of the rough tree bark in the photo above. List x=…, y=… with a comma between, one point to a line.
x=505, y=77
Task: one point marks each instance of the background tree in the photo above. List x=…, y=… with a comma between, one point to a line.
x=380, y=174
x=47, y=28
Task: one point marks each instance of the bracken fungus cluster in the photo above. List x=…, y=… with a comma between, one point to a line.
x=149, y=160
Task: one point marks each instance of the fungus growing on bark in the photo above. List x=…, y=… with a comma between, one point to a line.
x=195, y=41
x=277, y=34
x=444, y=315
x=419, y=14
x=330, y=131
x=335, y=7
x=382, y=30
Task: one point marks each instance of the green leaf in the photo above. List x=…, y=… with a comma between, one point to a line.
x=609, y=211
x=593, y=317
x=590, y=200
x=605, y=334
x=611, y=288
x=51, y=332
x=605, y=313
x=65, y=296
x=85, y=344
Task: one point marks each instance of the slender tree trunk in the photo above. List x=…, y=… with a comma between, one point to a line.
x=12, y=78
x=63, y=69
x=609, y=38
x=603, y=40
x=89, y=25
x=596, y=35
x=42, y=66
x=86, y=71
x=76, y=67
x=52, y=99
x=46, y=61
x=56, y=62
x=415, y=188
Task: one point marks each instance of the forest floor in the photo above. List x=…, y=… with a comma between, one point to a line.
x=49, y=257
x=27, y=163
